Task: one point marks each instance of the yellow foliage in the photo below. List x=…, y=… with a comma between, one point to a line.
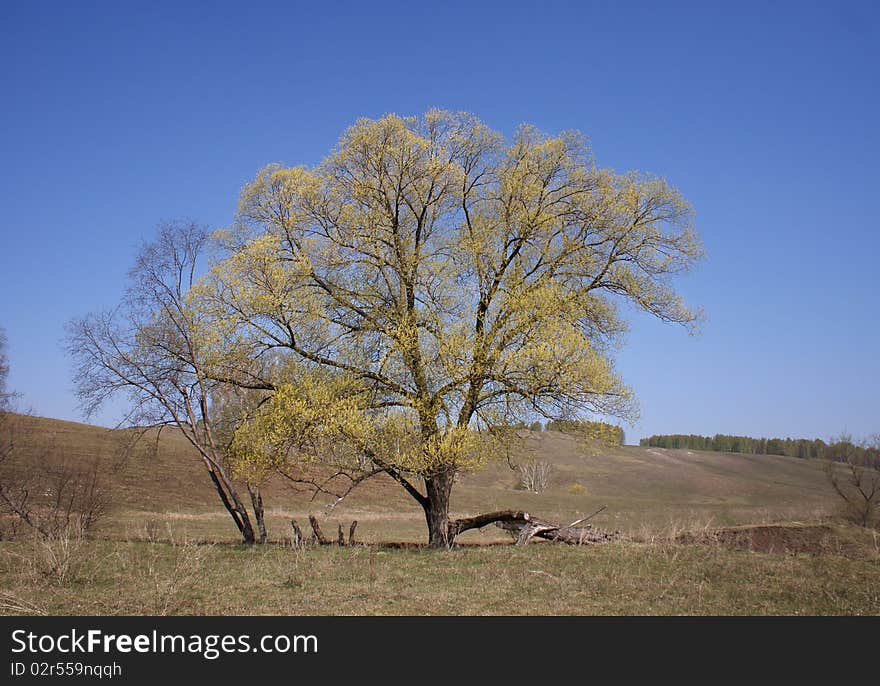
x=428, y=276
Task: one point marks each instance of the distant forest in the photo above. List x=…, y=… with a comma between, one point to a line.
x=602, y=431
x=791, y=447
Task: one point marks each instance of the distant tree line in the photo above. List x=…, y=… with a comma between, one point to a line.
x=792, y=447
x=602, y=431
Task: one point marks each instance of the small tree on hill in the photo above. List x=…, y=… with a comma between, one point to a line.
x=5, y=395
x=854, y=473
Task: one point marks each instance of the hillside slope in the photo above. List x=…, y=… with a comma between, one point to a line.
x=644, y=489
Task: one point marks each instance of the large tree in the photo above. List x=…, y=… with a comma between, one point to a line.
x=434, y=280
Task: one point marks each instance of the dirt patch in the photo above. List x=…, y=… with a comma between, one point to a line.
x=811, y=540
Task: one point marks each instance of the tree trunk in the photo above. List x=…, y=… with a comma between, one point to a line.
x=259, y=516
x=525, y=526
x=436, y=508
x=478, y=522
x=233, y=507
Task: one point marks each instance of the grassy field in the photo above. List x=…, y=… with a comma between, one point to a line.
x=701, y=533
x=616, y=578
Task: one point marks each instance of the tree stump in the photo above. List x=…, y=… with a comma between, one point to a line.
x=319, y=535
x=297, y=540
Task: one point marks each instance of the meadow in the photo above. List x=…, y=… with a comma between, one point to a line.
x=695, y=533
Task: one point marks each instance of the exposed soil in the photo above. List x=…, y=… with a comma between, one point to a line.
x=812, y=540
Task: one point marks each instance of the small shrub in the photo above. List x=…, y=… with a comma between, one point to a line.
x=534, y=476
x=57, y=558
x=54, y=497
x=151, y=531
x=170, y=573
x=577, y=489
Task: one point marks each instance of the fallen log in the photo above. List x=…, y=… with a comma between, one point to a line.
x=459, y=526
x=524, y=526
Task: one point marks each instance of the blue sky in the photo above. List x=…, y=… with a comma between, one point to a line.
x=118, y=115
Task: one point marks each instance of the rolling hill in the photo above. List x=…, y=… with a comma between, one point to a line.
x=645, y=491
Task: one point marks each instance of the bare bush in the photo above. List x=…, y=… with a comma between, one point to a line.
x=151, y=530
x=534, y=476
x=60, y=556
x=51, y=497
x=12, y=604
x=172, y=586
x=55, y=559
x=42, y=490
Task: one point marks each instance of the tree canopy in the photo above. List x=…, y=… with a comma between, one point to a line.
x=428, y=281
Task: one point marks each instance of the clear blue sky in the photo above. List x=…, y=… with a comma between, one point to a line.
x=117, y=115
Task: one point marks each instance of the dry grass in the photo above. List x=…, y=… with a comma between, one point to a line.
x=158, y=496
x=619, y=578
x=689, y=547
